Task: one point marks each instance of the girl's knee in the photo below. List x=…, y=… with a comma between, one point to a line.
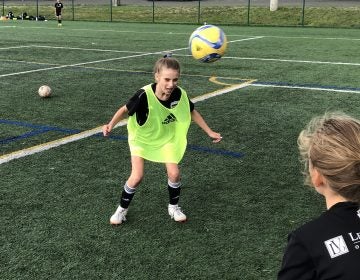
x=173, y=173
x=134, y=180
x=174, y=177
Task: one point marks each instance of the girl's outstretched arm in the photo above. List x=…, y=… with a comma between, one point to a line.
x=199, y=120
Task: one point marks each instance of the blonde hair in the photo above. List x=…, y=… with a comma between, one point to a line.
x=332, y=144
x=166, y=62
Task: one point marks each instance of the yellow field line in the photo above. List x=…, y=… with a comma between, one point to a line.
x=53, y=144
x=75, y=137
x=221, y=91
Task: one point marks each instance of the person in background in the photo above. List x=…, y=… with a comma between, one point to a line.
x=328, y=247
x=58, y=9
x=159, y=118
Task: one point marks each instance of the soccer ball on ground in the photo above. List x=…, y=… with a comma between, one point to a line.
x=44, y=91
x=207, y=43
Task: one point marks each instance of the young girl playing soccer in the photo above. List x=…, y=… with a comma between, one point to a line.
x=159, y=117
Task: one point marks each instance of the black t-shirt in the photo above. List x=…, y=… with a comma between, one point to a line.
x=138, y=103
x=325, y=248
x=58, y=7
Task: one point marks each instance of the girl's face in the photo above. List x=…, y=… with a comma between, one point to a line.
x=166, y=80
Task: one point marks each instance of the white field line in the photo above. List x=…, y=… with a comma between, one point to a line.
x=225, y=57
x=84, y=49
x=72, y=65
x=98, y=61
x=292, y=60
x=81, y=64
x=307, y=88
x=116, y=51
x=309, y=37
x=246, y=39
x=284, y=60
x=15, y=47
x=188, y=33
x=75, y=137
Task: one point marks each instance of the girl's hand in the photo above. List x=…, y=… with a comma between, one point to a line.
x=106, y=129
x=215, y=136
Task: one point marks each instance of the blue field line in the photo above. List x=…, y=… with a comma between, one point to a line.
x=114, y=137
x=23, y=136
x=216, y=151
x=40, y=129
x=46, y=128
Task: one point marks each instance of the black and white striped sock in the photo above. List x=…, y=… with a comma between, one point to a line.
x=126, y=196
x=174, y=192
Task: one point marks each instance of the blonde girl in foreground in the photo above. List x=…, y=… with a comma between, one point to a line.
x=329, y=246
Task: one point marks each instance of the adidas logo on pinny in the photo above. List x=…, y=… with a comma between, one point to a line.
x=170, y=118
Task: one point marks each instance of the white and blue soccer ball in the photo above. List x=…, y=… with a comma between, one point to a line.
x=208, y=43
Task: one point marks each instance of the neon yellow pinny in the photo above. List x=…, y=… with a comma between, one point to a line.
x=163, y=137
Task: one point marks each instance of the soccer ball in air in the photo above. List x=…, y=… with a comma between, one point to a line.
x=44, y=91
x=207, y=43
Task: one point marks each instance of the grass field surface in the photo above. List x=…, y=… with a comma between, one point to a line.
x=61, y=180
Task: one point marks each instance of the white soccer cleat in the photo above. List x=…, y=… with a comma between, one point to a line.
x=119, y=216
x=176, y=213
